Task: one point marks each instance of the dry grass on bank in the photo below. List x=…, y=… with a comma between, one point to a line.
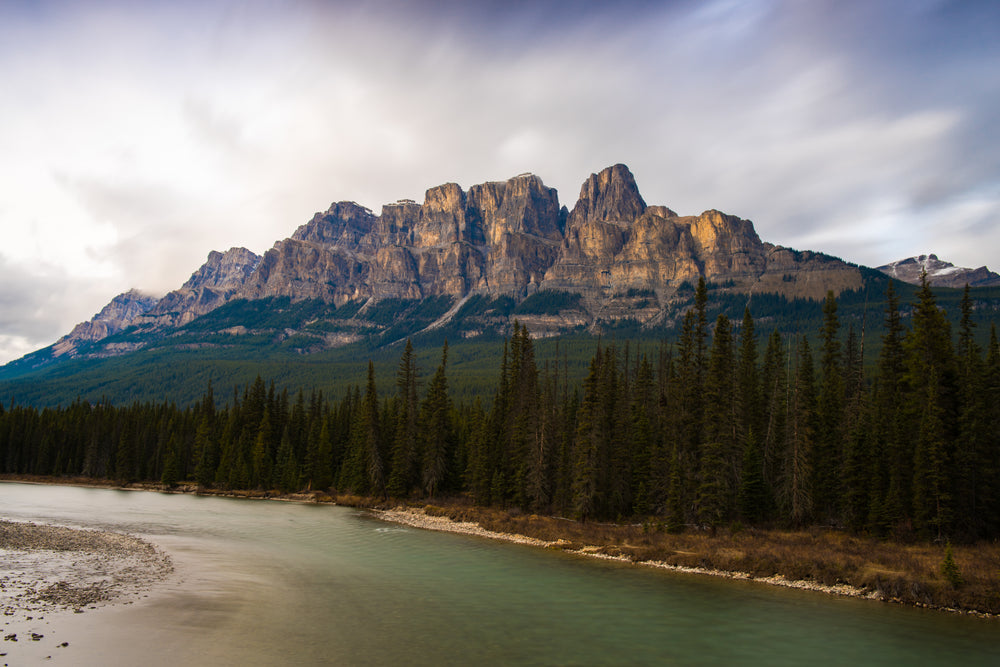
x=909, y=573
x=906, y=573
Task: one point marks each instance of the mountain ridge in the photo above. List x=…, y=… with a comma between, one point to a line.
x=939, y=272
x=628, y=261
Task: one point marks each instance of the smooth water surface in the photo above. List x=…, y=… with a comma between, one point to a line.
x=266, y=583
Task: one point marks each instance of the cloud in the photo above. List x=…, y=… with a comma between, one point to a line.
x=36, y=308
x=137, y=137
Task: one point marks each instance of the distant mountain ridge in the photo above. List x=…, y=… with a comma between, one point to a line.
x=939, y=273
x=626, y=261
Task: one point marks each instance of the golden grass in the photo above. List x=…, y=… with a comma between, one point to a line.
x=906, y=573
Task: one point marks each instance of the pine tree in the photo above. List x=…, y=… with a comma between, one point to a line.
x=973, y=442
x=796, y=491
x=435, y=416
x=748, y=381
x=262, y=461
x=931, y=497
x=363, y=470
x=208, y=452
x=405, y=452
x=931, y=410
x=990, y=470
x=126, y=455
x=643, y=429
x=892, y=472
x=171, y=465
x=717, y=478
x=287, y=466
x=753, y=496
x=829, y=436
x=587, y=448
x=774, y=408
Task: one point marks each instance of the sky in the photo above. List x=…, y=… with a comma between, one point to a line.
x=136, y=137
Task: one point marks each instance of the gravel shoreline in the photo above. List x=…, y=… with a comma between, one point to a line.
x=47, y=569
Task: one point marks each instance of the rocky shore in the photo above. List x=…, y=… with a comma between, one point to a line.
x=47, y=569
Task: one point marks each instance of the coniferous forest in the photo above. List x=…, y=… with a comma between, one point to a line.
x=729, y=425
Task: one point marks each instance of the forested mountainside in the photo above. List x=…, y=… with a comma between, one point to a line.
x=705, y=432
x=463, y=266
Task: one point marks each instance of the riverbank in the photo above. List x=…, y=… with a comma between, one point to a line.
x=826, y=561
x=48, y=569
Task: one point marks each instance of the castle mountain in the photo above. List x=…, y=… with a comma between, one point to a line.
x=619, y=257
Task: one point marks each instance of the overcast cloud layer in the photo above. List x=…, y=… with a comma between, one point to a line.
x=137, y=137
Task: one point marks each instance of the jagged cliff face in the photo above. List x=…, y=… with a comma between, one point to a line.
x=498, y=238
x=509, y=238
x=212, y=285
x=120, y=313
x=513, y=238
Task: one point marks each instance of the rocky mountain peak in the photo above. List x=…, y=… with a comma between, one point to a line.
x=500, y=238
x=214, y=283
x=442, y=217
x=343, y=222
x=118, y=314
x=610, y=196
x=940, y=273
x=224, y=270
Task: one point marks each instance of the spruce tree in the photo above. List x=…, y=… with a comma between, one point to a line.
x=717, y=484
x=930, y=406
x=796, y=490
x=892, y=472
x=973, y=442
x=774, y=408
x=752, y=498
x=436, y=426
x=829, y=436
x=171, y=464
x=587, y=454
x=287, y=466
x=405, y=448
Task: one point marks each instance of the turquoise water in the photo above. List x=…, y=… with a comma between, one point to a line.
x=279, y=583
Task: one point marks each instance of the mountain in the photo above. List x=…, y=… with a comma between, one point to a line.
x=209, y=287
x=939, y=273
x=462, y=265
x=120, y=313
x=513, y=239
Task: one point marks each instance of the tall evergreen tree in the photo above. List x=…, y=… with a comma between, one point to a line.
x=829, y=435
x=930, y=411
x=435, y=416
x=588, y=449
x=970, y=486
x=796, y=491
x=405, y=449
x=717, y=486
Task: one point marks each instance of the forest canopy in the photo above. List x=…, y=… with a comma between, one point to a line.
x=728, y=425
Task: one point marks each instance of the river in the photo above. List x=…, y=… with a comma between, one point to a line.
x=270, y=583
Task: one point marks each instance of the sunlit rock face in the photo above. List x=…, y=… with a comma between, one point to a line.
x=509, y=238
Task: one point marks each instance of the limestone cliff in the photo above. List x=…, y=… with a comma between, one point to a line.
x=503, y=239
x=212, y=285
